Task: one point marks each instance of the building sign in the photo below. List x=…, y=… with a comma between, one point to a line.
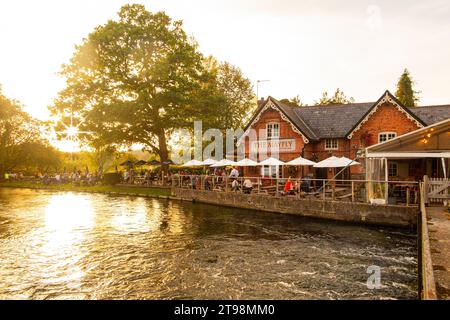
x=276, y=145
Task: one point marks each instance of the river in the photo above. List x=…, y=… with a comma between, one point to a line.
x=64, y=245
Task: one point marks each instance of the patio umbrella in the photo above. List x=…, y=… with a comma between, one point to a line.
x=154, y=163
x=193, y=163
x=271, y=162
x=300, y=162
x=331, y=162
x=347, y=162
x=127, y=163
x=246, y=163
x=140, y=163
x=223, y=163
x=168, y=162
x=209, y=162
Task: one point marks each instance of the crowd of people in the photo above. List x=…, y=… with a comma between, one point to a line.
x=239, y=183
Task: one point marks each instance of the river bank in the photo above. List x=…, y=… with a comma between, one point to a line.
x=154, y=192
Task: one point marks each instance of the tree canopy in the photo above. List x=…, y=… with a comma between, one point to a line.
x=405, y=91
x=21, y=143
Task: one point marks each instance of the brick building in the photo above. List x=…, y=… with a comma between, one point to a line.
x=318, y=132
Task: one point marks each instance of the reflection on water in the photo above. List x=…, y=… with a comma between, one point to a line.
x=59, y=245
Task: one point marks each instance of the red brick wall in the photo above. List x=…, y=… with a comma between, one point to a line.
x=286, y=132
x=386, y=119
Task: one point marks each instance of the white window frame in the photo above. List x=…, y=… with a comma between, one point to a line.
x=389, y=169
x=331, y=147
x=387, y=134
x=271, y=125
x=270, y=171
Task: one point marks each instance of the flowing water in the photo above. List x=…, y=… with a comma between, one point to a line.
x=62, y=245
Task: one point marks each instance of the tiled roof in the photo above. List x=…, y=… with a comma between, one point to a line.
x=336, y=121
x=432, y=114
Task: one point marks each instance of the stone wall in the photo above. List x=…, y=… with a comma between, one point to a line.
x=333, y=210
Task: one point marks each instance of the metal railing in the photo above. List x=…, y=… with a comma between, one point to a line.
x=391, y=192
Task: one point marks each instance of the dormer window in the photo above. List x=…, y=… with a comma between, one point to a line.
x=273, y=130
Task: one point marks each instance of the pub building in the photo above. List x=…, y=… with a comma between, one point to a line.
x=318, y=132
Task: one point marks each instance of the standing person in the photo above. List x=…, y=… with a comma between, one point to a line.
x=234, y=173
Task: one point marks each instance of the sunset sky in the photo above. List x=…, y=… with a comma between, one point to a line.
x=303, y=47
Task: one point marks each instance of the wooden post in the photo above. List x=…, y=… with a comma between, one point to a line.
x=425, y=189
x=277, y=185
x=386, y=172
x=353, y=191
x=323, y=189
x=333, y=190
x=259, y=184
x=407, y=196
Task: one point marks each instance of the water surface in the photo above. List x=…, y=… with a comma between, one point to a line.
x=63, y=245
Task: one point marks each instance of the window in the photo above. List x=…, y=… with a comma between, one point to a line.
x=273, y=130
x=331, y=144
x=385, y=136
x=392, y=169
x=269, y=171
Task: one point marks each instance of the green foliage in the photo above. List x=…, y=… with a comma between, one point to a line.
x=227, y=97
x=21, y=144
x=294, y=102
x=338, y=97
x=405, y=91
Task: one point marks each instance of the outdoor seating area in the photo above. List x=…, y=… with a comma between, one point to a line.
x=404, y=192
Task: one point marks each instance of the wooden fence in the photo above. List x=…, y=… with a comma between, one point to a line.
x=436, y=190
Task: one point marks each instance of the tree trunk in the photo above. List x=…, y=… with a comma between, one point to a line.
x=163, y=151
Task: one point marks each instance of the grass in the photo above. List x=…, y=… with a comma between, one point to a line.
x=139, y=191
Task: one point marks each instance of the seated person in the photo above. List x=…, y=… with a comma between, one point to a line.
x=247, y=186
x=207, y=185
x=235, y=185
x=306, y=184
x=289, y=187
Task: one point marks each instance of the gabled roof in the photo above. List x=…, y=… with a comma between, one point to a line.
x=386, y=97
x=341, y=120
x=287, y=113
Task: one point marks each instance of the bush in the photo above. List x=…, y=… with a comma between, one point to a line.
x=111, y=179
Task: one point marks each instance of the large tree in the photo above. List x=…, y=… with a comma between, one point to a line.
x=338, y=97
x=227, y=96
x=405, y=91
x=20, y=135
x=134, y=80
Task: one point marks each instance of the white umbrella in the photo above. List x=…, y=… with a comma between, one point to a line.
x=246, y=163
x=209, y=162
x=335, y=162
x=193, y=163
x=271, y=162
x=345, y=162
x=300, y=162
x=223, y=163
x=331, y=162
